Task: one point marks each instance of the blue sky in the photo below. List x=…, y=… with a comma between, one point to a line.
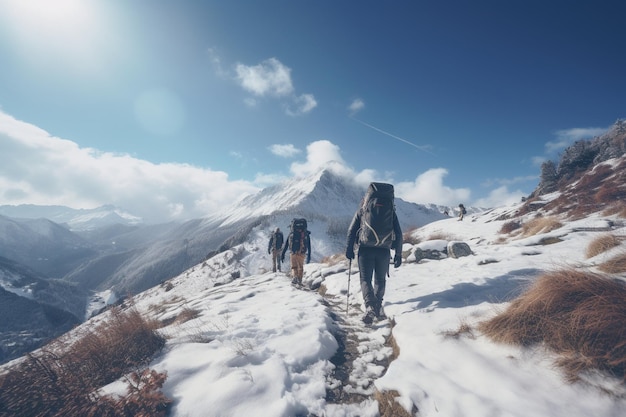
x=451, y=101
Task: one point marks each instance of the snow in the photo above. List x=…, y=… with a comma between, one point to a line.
x=99, y=301
x=260, y=346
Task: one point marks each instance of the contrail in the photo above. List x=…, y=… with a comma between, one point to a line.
x=421, y=148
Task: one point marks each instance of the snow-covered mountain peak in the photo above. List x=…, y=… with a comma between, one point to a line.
x=322, y=191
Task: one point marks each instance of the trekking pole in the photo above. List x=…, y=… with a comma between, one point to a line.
x=348, y=295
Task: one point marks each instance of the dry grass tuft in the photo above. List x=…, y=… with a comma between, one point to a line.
x=442, y=236
x=187, y=314
x=389, y=407
x=391, y=341
x=509, y=227
x=601, y=244
x=464, y=329
x=579, y=315
x=615, y=209
x=409, y=237
x=540, y=225
x=63, y=379
x=615, y=265
x=334, y=259
x=322, y=289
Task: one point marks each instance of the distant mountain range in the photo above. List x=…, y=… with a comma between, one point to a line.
x=96, y=250
x=73, y=219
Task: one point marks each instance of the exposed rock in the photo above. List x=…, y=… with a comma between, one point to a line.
x=419, y=254
x=458, y=249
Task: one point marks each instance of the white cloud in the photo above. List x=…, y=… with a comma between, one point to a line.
x=321, y=153
x=428, y=187
x=510, y=181
x=250, y=102
x=565, y=138
x=216, y=61
x=538, y=160
x=302, y=105
x=266, y=180
x=37, y=168
x=356, y=106
x=270, y=77
x=285, y=151
x=500, y=196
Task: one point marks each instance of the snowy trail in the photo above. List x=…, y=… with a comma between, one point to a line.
x=363, y=355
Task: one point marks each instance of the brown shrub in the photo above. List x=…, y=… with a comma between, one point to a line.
x=579, y=315
x=62, y=379
x=509, y=227
x=601, y=244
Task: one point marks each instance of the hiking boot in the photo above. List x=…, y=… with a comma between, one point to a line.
x=369, y=316
x=381, y=314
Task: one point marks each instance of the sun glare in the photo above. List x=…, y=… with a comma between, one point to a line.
x=53, y=33
x=46, y=11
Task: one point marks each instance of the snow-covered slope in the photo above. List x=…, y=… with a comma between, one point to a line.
x=259, y=340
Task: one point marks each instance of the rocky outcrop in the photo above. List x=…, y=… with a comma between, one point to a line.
x=580, y=157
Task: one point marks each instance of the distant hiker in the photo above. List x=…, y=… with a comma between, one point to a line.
x=375, y=228
x=274, y=247
x=299, y=243
x=462, y=211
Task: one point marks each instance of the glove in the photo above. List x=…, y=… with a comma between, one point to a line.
x=397, y=260
x=350, y=253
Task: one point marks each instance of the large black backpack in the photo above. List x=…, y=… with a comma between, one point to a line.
x=377, y=214
x=277, y=239
x=298, y=235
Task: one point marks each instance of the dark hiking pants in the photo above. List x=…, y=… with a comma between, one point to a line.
x=373, y=262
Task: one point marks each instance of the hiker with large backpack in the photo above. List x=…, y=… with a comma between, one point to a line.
x=376, y=230
x=462, y=212
x=299, y=243
x=274, y=247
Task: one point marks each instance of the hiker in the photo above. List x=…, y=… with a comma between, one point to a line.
x=273, y=248
x=299, y=243
x=462, y=211
x=375, y=228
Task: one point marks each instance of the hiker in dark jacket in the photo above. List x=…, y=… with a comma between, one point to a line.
x=298, y=253
x=273, y=248
x=462, y=211
x=373, y=261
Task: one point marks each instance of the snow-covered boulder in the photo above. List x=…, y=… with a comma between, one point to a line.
x=458, y=249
